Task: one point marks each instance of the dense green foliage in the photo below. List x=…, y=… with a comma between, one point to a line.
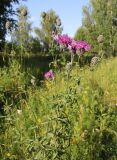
x=70, y=118
x=6, y=13
x=71, y=115
x=100, y=18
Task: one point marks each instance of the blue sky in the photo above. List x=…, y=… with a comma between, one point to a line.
x=70, y=12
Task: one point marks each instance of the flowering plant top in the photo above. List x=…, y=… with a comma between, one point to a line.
x=72, y=45
x=49, y=75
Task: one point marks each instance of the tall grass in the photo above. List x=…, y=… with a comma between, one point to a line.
x=70, y=118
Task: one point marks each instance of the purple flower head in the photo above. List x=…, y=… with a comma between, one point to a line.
x=83, y=45
x=80, y=46
x=49, y=75
x=63, y=39
x=73, y=47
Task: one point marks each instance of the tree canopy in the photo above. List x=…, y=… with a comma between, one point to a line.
x=100, y=18
x=6, y=15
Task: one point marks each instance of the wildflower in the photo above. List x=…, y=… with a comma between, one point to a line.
x=79, y=46
x=63, y=39
x=83, y=45
x=73, y=46
x=49, y=75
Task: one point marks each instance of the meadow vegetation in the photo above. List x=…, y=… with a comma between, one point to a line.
x=58, y=95
x=71, y=117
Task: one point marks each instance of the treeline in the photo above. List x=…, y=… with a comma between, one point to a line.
x=100, y=18
x=99, y=23
x=21, y=33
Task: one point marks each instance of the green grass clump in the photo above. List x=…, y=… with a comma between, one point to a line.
x=70, y=118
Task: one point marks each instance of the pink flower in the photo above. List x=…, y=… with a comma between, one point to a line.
x=72, y=45
x=80, y=46
x=63, y=39
x=49, y=75
x=83, y=45
x=72, y=49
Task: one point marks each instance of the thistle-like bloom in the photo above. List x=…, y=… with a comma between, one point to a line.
x=49, y=75
x=83, y=45
x=100, y=39
x=73, y=46
x=80, y=46
x=68, y=66
x=24, y=12
x=63, y=39
x=94, y=60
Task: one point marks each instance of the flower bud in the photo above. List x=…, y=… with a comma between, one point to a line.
x=68, y=66
x=24, y=12
x=94, y=60
x=100, y=39
x=43, y=14
x=58, y=22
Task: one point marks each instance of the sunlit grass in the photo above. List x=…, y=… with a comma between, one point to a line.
x=79, y=104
